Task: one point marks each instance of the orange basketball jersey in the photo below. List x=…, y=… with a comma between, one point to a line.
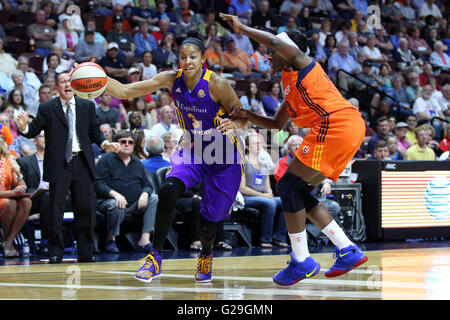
x=311, y=97
x=336, y=126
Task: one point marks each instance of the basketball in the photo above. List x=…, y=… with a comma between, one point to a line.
x=88, y=80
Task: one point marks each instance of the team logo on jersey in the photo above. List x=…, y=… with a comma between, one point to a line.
x=201, y=93
x=305, y=150
x=178, y=90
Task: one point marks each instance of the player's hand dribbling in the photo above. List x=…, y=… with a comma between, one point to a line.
x=76, y=64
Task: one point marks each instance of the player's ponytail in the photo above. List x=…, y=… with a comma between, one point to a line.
x=312, y=48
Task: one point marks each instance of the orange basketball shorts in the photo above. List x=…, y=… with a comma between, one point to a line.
x=330, y=145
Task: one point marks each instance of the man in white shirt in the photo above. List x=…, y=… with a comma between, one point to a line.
x=148, y=69
x=165, y=125
x=30, y=78
x=429, y=8
x=438, y=58
x=426, y=107
x=373, y=53
x=28, y=92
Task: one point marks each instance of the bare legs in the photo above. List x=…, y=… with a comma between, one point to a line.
x=13, y=216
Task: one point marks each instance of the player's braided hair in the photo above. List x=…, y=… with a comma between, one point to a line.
x=302, y=42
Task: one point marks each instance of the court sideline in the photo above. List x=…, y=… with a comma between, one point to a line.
x=400, y=274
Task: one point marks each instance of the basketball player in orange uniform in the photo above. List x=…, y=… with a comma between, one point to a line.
x=336, y=132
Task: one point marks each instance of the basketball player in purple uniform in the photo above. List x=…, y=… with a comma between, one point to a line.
x=208, y=151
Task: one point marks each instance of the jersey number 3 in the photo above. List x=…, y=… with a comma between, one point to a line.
x=195, y=123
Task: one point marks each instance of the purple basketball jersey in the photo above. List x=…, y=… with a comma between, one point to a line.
x=207, y=155
x=199, y=115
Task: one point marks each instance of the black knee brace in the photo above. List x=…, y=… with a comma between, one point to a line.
x=295, y=193
x=310, y=200
x=290, y=190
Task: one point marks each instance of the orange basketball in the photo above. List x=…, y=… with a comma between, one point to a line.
x=88, y=80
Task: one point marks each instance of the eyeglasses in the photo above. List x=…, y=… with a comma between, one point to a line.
x=124, y=142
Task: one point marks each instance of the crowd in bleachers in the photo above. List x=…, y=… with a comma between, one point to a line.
x=394, y=67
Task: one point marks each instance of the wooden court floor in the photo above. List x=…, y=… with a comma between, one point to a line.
x=409, y=274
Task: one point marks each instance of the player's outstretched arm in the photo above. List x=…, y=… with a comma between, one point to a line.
x=140, y=88
x=290, y=53
x=277, y=122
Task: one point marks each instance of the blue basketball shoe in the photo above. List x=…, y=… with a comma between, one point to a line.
x=151, y=267
x=346, y=259
x=204, y=268
x=296, y=271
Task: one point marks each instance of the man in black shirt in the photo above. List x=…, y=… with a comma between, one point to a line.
x=263, y=18
x=122, y=189
x=122, y=37
x=114, y=65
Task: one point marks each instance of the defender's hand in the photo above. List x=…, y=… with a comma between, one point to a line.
x=233, y=21
x=238, y=113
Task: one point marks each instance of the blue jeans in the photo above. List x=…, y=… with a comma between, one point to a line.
x=268, y=209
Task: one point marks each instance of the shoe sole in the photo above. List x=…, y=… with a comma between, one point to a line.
x=146, y=280
x=291, y=284
x=203, y=281
x=338, y=272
